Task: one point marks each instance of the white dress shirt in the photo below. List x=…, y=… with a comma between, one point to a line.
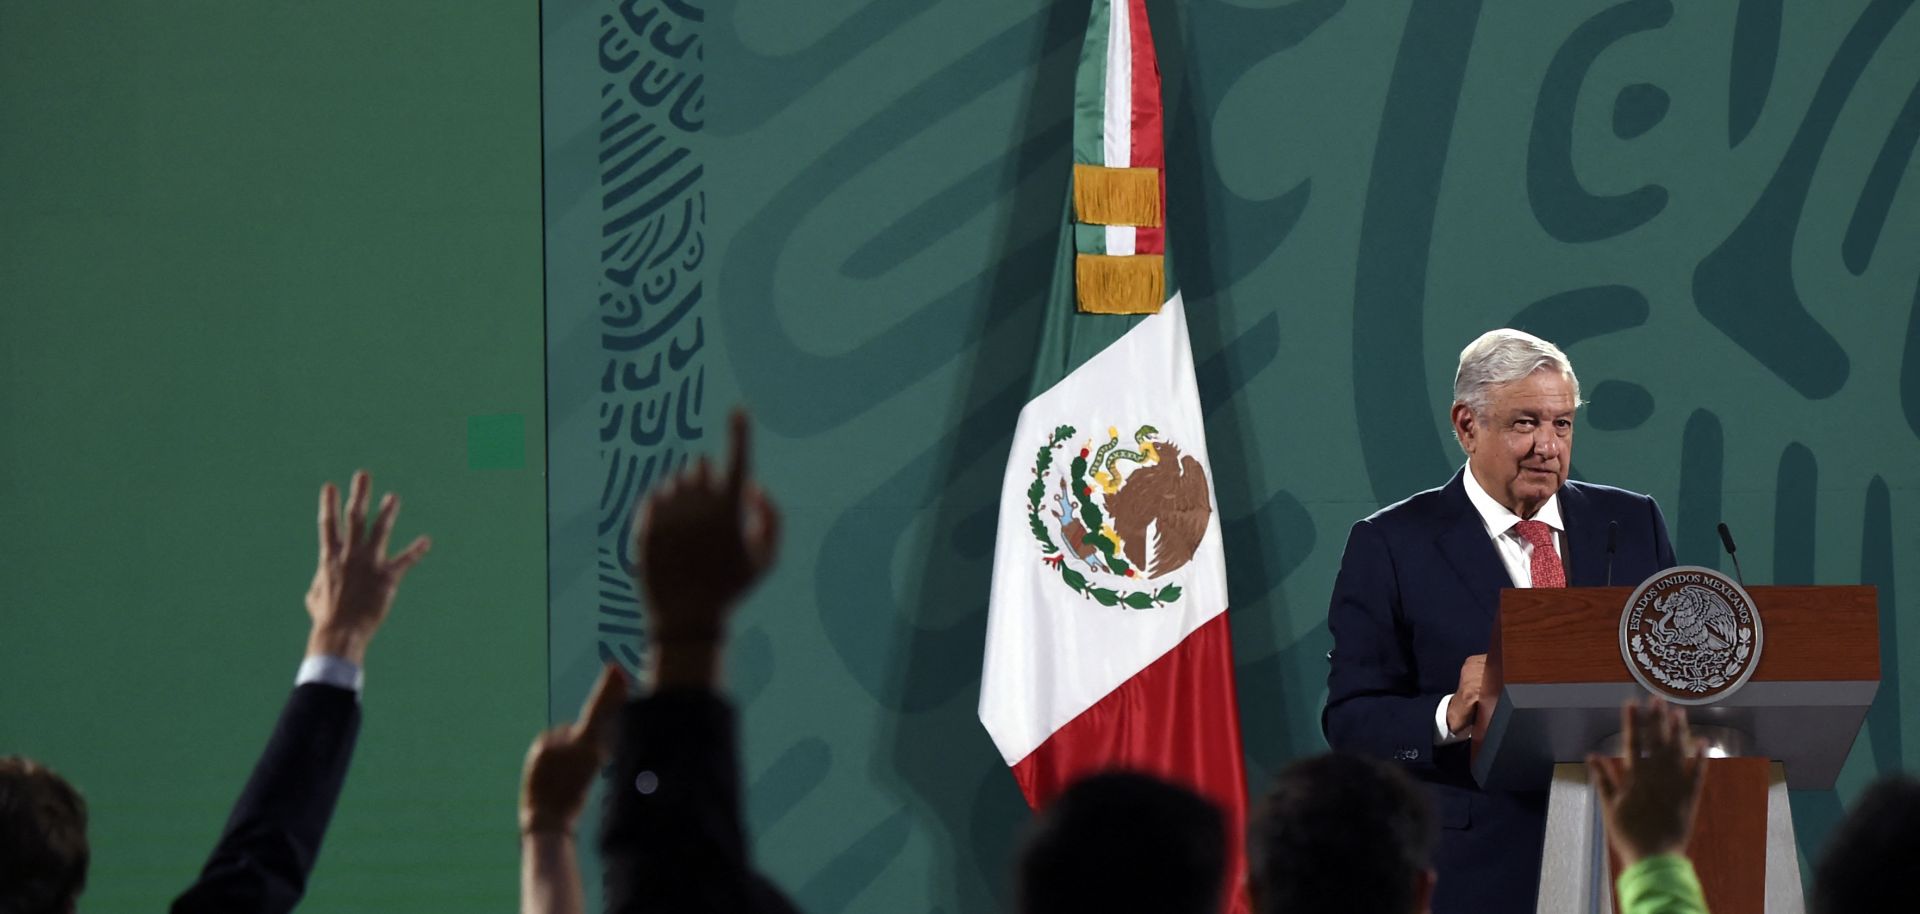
x=1515, y=553
x=327, y=669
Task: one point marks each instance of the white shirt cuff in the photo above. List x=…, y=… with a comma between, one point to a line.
x=1441, y=735
x=330, y=670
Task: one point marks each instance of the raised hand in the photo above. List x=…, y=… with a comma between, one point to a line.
x=553, y=789
x=703, y=541
x=1649, y=797
x=354, y=585
x=563, y=761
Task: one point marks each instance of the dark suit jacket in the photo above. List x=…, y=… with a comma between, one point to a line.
x=671, y=840
x=1418, y=590
x=273, y=836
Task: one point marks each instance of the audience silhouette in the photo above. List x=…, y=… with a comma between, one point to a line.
x=1342, y=832
x=1336, y=832
x=1869, y=857
x=43, y=839
x=1123, y=841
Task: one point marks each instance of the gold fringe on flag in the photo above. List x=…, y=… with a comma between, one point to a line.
x=1120, y=283
x=1116, y=196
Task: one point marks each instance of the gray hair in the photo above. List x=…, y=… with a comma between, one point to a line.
x=1501, y=357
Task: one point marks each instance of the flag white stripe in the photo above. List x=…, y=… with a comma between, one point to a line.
x=1121, y=239
x=1118, y=117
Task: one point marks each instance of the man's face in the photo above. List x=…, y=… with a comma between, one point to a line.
x=1520, y=447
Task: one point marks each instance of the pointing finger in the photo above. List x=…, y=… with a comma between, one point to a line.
x=602, y=708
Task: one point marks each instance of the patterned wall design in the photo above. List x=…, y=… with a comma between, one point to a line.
x=653, y=211
x=1708, y=205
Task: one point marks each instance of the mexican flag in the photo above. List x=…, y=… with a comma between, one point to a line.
x=1107, y=642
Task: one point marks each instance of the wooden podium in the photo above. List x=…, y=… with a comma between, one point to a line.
x=1555, y=672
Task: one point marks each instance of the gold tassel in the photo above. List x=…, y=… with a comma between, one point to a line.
x=1116, y=196
x=1120, y=283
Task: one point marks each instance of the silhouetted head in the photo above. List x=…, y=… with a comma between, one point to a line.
x=1125, y=842
x=1342, y=833
x=43, y=839
x=1869, y=864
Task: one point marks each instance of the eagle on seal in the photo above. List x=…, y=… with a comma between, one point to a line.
x=1697, y=618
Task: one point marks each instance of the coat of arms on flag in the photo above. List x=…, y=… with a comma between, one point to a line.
x=1117, y=521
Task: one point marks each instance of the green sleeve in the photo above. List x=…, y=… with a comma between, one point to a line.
x=1661, y=884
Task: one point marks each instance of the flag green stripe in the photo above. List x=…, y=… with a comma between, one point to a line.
x=1090, y=91
x=1089, y=239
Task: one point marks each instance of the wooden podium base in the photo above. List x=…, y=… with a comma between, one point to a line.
x=1743, y=846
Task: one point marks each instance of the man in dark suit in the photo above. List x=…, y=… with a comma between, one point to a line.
x=1419, y=587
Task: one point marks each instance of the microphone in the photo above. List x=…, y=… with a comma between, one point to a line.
x=1726, y=539
x=1613, y=540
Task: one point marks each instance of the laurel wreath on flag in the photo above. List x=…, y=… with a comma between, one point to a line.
x=1054, y=558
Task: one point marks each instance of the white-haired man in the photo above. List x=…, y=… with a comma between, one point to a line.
x=1419, y=587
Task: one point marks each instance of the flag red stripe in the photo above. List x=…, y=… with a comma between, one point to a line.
x=1178, y=719
x=1148, y=143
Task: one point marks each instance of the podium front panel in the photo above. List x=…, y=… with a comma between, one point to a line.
x=1558, y=679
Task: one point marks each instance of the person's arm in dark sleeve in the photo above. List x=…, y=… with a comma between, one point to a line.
x=272, y=838
x=1374, y=706
x=672, y=838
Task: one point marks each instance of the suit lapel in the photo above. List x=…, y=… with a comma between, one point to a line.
x=1463, y=541
x=1586, y=539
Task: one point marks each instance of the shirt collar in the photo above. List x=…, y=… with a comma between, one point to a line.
x=1495, y=515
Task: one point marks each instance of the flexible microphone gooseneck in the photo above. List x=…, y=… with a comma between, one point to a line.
x=1613, y=540
x=1726, y=539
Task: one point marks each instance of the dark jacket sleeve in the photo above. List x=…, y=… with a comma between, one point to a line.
x=672, y=839
x=273, y=836
x=1374, y=703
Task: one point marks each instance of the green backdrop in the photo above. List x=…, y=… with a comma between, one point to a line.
x=842, y=214
x=246, y=247
x=249, y=246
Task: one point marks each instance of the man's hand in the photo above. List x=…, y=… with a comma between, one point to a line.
x=353, y=587
x=701, y=544
x=1649, y=797
x=553, y=789
x=563, y=761
x=1466, y=698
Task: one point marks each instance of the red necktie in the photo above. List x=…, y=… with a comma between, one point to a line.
x=1546, y=562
